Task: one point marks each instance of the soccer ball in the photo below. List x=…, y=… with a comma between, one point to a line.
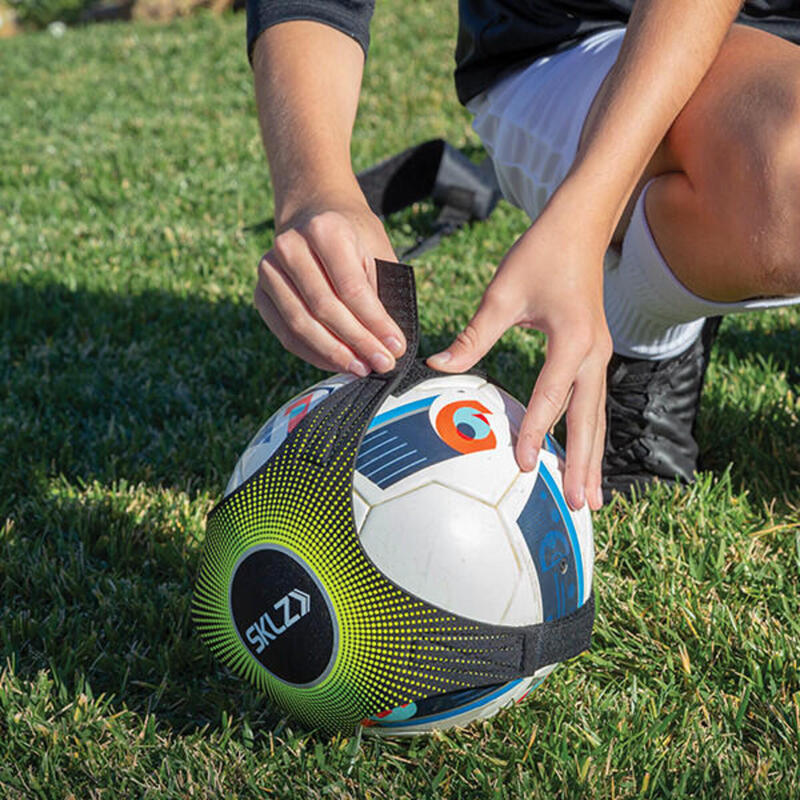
x=443, y=510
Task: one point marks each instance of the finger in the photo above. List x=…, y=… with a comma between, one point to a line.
x=492, y=319
x=594, y=478
x=275, y=323
x=283, y=311
x=338, y=254
x=550, y=394
x=581, y=433
x=301, y=267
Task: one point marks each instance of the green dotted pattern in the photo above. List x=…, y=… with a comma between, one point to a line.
x=393, y=647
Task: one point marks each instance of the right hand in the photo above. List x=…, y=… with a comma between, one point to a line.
x=317, y=290
x=552, y=280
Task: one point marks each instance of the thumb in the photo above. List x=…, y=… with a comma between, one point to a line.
x=490, y=322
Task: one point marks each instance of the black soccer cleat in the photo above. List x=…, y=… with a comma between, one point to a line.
x=651, y=412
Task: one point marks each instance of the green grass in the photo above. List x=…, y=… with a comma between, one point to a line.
x=135, y=204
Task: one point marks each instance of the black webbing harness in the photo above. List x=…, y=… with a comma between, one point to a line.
x=464, y=191
x=288, y=597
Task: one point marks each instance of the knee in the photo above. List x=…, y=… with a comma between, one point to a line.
x=747, y=170
x=776, y=231
x=762, y=181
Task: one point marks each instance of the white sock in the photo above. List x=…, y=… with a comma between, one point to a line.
x=650, y=313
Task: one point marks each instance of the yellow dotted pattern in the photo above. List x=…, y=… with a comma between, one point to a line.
x=393, y=648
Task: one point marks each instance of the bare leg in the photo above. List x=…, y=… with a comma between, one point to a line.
x=724, y=207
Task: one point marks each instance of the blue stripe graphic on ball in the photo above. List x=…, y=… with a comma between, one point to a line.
x=399, y=443
x=553, y=546
x=401, y=411
x=566, y=516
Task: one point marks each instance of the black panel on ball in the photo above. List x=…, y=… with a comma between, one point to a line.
x=282, y=616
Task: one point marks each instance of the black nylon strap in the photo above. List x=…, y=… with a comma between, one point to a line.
x=515, y=652
x=397, y=291
x=403, y=179
x=419, y=650
x=463, y=191
x=558, y=640
x=498, y=652
x=349, y=411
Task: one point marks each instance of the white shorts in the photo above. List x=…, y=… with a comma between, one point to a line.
x=530, y=123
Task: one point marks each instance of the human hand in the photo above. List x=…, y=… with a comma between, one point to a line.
x=317, y=289
x=552, y=281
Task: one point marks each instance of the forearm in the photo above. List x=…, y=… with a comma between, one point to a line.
x=668, y=48
x=316, y=287
x=307, y=82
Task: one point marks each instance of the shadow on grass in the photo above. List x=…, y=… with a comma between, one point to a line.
x=97, y=584
x=775, y=344
x=762, y=449
x=120, y=414
x=147, y=387
x=114, y=409
x=757, y=434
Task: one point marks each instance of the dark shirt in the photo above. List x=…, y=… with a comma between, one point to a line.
x=496, y=36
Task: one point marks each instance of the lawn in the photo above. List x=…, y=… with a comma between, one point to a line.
x=135, y=203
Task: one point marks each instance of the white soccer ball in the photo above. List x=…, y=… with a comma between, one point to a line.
x=443, y=510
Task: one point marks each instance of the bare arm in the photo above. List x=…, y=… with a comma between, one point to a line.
x=668, y=48
x=307, y=80
x=552, y=278
x=316, y=286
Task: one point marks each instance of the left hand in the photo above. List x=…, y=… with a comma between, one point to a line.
x=551, y=280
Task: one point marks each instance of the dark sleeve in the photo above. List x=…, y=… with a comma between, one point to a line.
x=348, y=16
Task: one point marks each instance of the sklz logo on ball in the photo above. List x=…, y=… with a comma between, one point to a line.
x=463, y=425
x=264, y=629
x=282, y=616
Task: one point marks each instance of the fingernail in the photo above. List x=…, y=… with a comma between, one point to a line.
x=394, y=345
x=441, y=358
x=358, y=368
x=527, y=459
x=598, y=497
x=380, y=362
x=577, y=499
